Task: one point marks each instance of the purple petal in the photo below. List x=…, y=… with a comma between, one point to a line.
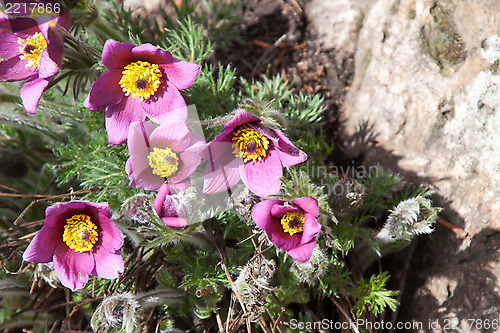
x=23, y=27
x=31, y=92
x=10, y=46
x=117, y=55
x=41, y=249
x=263, y=177
x=280, y=238
x=98, y=208
x=189, y=163
x=63, y=18
x=182, y=74
x=73, y=268
x=219, y=146
x=54, y=41
x=120, y=116
x=143, y=174
x=261, y=213
x=56, y=215
x=14, y=69
x=241, y=117
x=162, y=193
x=47, y=67
x=4, y=22
x=151, y=54
x=175, y=222
x=222, y=173
x=138, y=137
x=55, y=45
x=110, y=238
x=44, y=30
x=308, y=204
x=179, y=187
x=105, y=92
x=278, y=210
x=197, y=144
x=130, y=173
x=302, y=252
x=289, y=154
x=173, y=135
x=166, y=105
x=108, y=265
x=311, y=228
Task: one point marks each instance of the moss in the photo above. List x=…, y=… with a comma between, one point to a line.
x=444, y=43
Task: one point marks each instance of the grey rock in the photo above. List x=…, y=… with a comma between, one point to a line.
x=427, y=79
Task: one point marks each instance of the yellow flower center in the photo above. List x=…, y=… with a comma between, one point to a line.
x=31, y=49
x=249, y=144
x=292, y=222
x=140, y=79
x=164, y=162
x=80, y=234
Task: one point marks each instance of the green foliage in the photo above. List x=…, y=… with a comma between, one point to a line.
x=373, y=296
x=332, y=284
x=187, y=42
x=301, y=111
x=273, y=89
x=98, y=165
x=213, y=92
x=300, y=186
x=380, y=188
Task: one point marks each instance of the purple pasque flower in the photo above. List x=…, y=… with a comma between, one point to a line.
x=169, y=152
x=30, y=50
x=249, y=151
x=170, y=207
x=140, y=81
x=291, y=227
x=80, y=239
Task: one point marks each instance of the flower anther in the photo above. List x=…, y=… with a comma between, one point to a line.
x=31, y=49
x=249, y=144
x=292, y=222
x=140, y=79
x=80, y=234
x=163, y=162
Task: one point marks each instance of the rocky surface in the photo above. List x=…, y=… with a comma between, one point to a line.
x=427, y=81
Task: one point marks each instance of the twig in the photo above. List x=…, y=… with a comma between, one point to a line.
x=219, y=321
x=229, y=313
x=297, y=6
x=259, y=253
x=262, y=324
x=354, y=327
x=25, y=210
x=275, y=325
x=459, y=231
x=68, y=315
x=9, y=188
x=233, y=287
x=266, y=54
x=45, y=197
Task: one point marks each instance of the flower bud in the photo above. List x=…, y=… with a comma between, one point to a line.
x=118, y=311
x=312, y=270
